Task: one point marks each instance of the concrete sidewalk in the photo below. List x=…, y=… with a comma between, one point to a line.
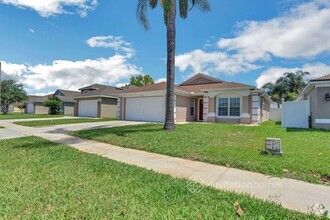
x=292, y=194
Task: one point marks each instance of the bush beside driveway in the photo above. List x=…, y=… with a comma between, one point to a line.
x=306, y=152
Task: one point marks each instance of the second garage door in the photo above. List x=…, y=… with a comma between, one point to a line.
x=145, y=109
x=88, y=108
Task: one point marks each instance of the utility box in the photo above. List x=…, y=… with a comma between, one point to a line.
x=273, y=146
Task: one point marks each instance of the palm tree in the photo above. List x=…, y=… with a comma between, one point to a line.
x=142, y=80
x=287, y=87
x=170, y=11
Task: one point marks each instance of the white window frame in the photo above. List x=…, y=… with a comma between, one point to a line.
x=228, y=97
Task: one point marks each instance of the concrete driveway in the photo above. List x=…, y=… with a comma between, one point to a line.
x=12, y=130
x=8, y=134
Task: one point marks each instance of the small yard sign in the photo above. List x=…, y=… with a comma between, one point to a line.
x=273, y=146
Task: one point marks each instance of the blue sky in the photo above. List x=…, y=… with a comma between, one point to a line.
x=72, y=43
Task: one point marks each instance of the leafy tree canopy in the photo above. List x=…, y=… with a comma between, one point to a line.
x=287, y=87
x=142, y=80
x=11, y=92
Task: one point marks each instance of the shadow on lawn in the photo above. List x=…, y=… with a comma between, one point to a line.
x=306, y=130
x=32, y=144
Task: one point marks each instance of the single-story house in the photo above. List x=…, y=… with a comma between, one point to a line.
x=35, y=105
x=68, y=106
x=318, y=92
x=98, y=101
x=200, y=98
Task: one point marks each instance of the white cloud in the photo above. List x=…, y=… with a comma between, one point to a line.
x=12, y=71
x=48, y=8
x=114, y=42
x=32, y=30
x=75, y=74
x=161, y=80
x=121, y=84
x=213, y=62
x=304, y=31
x=273, y=73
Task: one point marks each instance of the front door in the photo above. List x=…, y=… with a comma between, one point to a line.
x=200, y=115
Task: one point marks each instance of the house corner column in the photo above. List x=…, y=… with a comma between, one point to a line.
x=255, y=109
x=205, y=107
x=119, y=109
x=211, y=112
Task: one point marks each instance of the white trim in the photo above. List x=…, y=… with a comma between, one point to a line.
x=323, y=85
x=228, y=97
x=202, y=76
x=95, y=96
x=322, y=121
x=198, y=108
x=245, y=115
x=307, y=88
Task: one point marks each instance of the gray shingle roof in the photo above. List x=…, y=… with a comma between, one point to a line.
x=99, y=90
x=66, y=95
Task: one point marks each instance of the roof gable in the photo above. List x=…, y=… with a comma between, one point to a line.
x=201, y=79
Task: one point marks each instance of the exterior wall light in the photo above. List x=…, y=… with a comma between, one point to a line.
x=327, y=97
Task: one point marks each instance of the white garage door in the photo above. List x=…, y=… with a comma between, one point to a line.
x=30, y=108
x=88, y=108
x=145, y=109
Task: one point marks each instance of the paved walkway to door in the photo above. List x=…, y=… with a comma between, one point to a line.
x=292, y=194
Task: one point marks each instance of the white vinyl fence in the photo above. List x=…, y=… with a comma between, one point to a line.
x=275, y=114
x=295, y=114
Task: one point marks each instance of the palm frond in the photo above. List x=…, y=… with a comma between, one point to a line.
x=203, y=5
x=183, y=5
x=141, y=13
x=153, y=3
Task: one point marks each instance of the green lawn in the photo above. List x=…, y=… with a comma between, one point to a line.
x=306, y=152
x=24, y=116
x=43, y=180
x=60, y=121
x=2, y=127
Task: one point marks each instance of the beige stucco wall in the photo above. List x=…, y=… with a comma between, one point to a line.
x=69, y=108
x=183, y=109
x=108, y=108
x=264, y=109
x=245, y=104
x=246, y=108
x=228, y=120
x=39, y=108
x=321, y=108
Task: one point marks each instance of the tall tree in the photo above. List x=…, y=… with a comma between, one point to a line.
x=142, y=80
x=11, y=92
x=287, y=87
x=170, y=11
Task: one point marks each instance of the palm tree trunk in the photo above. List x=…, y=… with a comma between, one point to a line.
x=171, y=35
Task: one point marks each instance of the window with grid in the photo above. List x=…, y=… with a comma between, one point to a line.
x=223, y=107
x=192, y=107
x=235, y=106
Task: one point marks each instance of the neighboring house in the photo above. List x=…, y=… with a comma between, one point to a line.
x=318, y=92
x=35, y=105
x=68, y=106
x=98, y=101
x=200, y=98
